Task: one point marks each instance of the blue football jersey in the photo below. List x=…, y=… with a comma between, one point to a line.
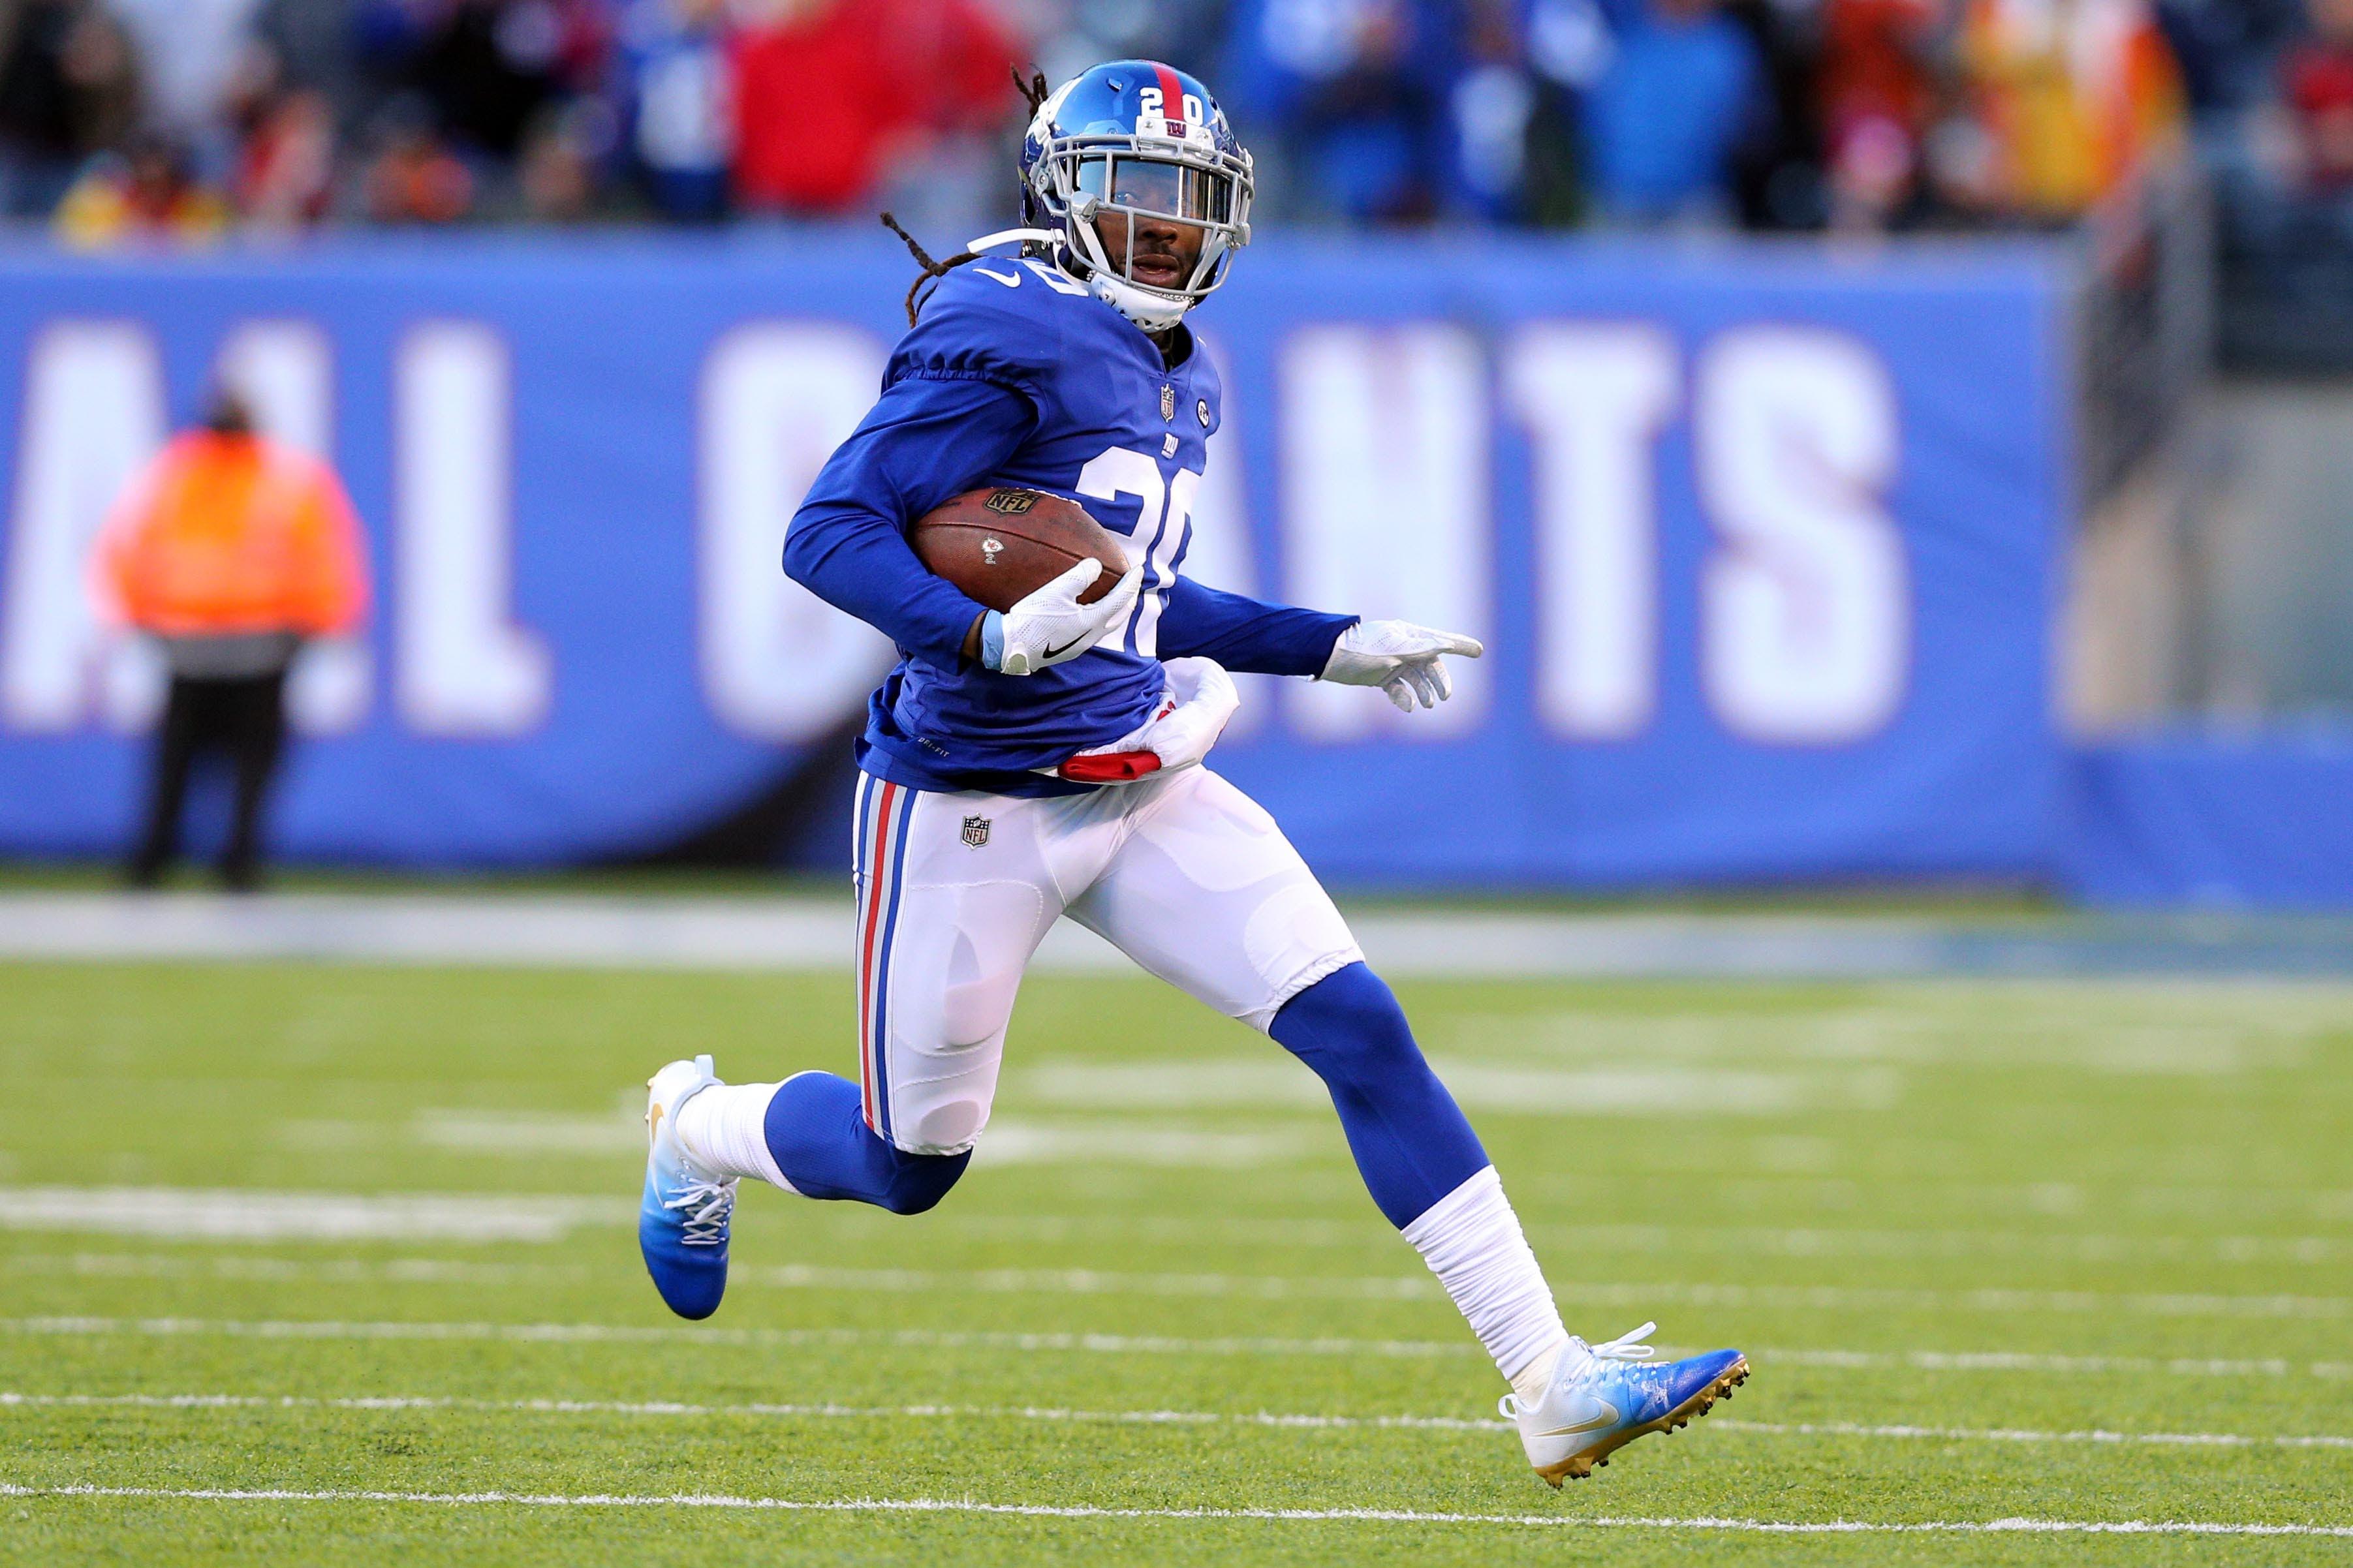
x=1016, y=375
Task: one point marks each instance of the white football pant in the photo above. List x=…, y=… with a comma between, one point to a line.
x=1181, y=871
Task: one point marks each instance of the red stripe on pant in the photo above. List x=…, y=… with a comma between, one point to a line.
x=877, y=864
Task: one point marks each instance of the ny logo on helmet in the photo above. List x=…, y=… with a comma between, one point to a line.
x=976, y=831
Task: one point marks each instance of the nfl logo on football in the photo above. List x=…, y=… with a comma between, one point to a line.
x=976, y=831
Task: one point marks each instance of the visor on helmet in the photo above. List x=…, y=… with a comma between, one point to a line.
x=1151, y=188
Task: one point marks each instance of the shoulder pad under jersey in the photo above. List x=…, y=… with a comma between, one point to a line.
x=1001, y=319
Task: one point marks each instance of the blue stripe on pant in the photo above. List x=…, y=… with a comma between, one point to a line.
x=899, y=829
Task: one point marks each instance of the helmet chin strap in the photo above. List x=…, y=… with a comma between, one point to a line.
x=1014, y=237
x=1147, y=308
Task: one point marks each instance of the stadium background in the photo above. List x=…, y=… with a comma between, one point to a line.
x=1881, y=900
x=1933, y=546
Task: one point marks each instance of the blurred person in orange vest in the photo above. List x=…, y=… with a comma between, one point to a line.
x=229, y=551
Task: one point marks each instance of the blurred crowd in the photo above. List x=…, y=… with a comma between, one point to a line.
x=184, y=119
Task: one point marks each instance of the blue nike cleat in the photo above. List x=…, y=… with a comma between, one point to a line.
x=1602, y=1398
x=682, y=1219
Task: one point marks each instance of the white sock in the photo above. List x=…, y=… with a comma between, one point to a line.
x=1472, y=1241
x=725, y=1128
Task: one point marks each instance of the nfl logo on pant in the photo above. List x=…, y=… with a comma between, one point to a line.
x=976, y=831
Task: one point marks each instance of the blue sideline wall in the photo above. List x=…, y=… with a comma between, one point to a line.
x=1763, y=541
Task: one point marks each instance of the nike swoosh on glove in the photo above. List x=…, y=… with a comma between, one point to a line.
x=1199, y=703
x=1403, y=659
x=1051, y=627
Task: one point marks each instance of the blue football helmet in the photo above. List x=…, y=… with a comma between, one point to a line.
x=1139, y=140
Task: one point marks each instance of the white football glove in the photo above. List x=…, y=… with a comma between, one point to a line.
x=1403, y=659
x=1199, y=702
x=1051, y=627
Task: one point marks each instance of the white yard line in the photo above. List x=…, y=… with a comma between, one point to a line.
x=533, y=1135
x=331, y=1270
x=1265, y=1082
x=197, y=1214
x=1262, y=1287
x=1287, y=1515
x=1119, y=1344
x=2033, y=1362
x=653, y=1333
x=811, y=935
x=833, y=1411
x=1783, y=1241
x=830, y=1411
x=2008, y=1435
x=228, y=1214
x=1415, y=1287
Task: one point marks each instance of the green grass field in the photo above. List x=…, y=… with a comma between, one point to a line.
x=1960, y=1228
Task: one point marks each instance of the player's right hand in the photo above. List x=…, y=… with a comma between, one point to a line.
x=1052, y=627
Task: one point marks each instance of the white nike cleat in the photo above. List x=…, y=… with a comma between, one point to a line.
x=682, y=1218
x=1601, y=1397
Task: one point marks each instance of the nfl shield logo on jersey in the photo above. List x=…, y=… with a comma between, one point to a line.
x=976, y=831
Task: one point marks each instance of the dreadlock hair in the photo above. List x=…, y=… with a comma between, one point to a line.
x=1032, y=88
x=1034, y=92
x=932, y=271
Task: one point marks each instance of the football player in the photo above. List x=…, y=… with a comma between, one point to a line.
x=1055, y=358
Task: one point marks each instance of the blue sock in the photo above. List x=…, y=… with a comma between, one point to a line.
x=1411, y=1140
x=816, y=1131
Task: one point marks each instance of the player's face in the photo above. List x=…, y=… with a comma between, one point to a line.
x=1159, y=199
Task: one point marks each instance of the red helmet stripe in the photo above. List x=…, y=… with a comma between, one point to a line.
x=1172, y=98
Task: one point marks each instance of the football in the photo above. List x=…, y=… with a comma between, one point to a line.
x=1001, y=545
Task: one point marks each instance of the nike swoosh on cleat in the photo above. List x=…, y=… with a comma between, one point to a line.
x=1609, y=1417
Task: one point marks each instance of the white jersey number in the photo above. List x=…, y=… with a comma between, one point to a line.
x=1163, y=520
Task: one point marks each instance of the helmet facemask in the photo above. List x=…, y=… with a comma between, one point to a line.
x=1139, y=180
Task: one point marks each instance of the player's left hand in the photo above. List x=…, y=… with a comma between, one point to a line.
x=1202, y=701
x=1199, y=700
x=1403, y=659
